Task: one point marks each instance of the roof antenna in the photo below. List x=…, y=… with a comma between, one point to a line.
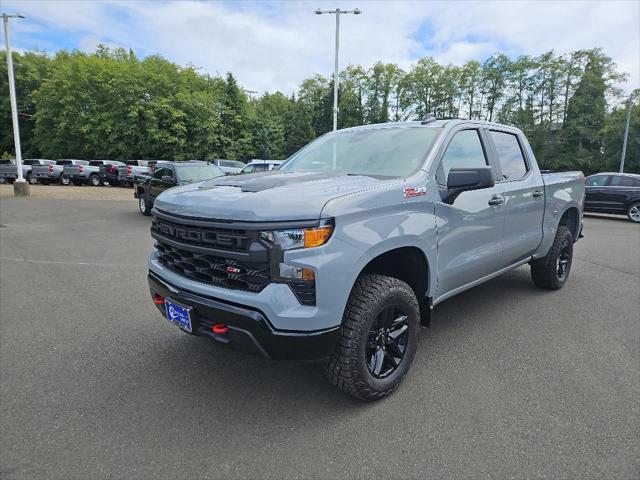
x=430, y=118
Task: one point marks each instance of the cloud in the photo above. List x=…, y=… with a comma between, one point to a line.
x=275, y=45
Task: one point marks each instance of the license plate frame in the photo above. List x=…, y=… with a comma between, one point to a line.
x=178, y=315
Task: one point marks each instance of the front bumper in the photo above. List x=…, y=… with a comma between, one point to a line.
x=249, y=329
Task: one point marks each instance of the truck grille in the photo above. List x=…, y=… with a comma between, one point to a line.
x=208, y=252
x=215, y=270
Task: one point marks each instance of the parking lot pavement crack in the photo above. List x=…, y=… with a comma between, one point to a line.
x=608, y=267
x=58, y=262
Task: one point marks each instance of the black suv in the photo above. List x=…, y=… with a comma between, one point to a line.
x=614, y=193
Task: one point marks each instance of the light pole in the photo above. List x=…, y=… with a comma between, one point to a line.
x=337, y=13
x=20, y=187
x=626, y=135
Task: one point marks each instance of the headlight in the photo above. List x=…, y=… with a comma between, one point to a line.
x=300, y=238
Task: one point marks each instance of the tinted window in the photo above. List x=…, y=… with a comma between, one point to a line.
x=162, y=171
x=464, y=151
x=64, y=162
x=596, y=180
x=96, y=163
x=261, y=167
x=622, y=181
x=510, y=155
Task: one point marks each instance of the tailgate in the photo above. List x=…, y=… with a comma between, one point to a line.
x=40, y=170
x=71, y=170
x=9, y=170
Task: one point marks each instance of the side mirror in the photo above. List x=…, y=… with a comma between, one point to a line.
x=465, y=179
x=168, y=180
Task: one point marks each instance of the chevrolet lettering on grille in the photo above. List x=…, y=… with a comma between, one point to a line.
x=218, y=239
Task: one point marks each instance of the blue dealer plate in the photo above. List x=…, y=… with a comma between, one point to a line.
x=178, y=315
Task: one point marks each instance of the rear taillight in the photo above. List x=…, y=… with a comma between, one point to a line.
x=81, y=169
x=129, y=169
x=50, y=168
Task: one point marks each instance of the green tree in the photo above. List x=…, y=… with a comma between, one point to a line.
x=298, y=128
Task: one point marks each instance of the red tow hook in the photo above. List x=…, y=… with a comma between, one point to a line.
x=220, y=328
x=157, y=299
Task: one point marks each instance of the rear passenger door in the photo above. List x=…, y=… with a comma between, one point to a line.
x=616, y=193
x=524, y=196
x=470, y=229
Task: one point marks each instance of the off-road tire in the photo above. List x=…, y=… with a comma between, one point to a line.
x=544, y=271
x=347, y=369
x=144, y=206
x=633, y=211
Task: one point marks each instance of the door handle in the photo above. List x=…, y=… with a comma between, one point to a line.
x=496, y=200
x=538, y=194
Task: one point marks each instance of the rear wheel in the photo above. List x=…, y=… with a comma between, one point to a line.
x=378, y=338
x=31, y=179
x=144, y=206
x=65, y=180
x=552, y=271
x=633, y=212
x=94, y=180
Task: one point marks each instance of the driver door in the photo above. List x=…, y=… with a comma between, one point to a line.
x=157, y=185
x=470, y=230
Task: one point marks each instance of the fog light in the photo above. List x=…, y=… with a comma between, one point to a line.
x=300, y=273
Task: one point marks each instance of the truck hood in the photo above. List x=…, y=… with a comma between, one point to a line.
x=263, y=196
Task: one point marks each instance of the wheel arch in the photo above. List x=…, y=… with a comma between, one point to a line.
x=570, y=218
x=410, y=265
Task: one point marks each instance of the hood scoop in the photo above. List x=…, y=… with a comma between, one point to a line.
x=257, y=182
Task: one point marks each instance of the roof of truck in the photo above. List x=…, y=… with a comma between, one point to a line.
x=429, y=123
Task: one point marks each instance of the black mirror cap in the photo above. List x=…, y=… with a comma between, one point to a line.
x=466, y=179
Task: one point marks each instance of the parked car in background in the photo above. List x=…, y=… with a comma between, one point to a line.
x=5, y=163
x=109, y=173
x=609, y=192
x=134, y=168
x=341, y=253
x=52, y=172
x=10, y=171
x=86, y=173
x=257, y=165
x=228, y=166
x=168, y=175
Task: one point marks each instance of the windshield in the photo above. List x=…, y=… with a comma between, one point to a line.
x=197, y=173
x=383, y=152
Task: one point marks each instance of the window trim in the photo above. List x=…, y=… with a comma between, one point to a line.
x=447, y=142
x=527, y=161
x=169, y=167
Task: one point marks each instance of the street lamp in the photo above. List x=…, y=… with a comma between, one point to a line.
x=337, y=13
x=20, y=187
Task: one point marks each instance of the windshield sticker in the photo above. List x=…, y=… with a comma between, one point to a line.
x=415, y=192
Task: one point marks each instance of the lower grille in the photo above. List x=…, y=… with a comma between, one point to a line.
x=215, y=270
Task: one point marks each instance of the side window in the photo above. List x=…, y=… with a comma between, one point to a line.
x=465, y=150
x=596, y=181
x=261, y=167
x=510, y=157
x=161, y=172
x=622, y=181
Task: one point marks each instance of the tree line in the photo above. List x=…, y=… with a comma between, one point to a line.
x=111, y=104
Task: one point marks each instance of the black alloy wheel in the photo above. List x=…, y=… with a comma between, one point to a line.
x=387, y=341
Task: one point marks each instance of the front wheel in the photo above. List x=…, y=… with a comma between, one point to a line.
x=144, y=206
x=552, y=271
x=378, y=338
x=31, y=179
x=633, y=212
x=94, y=180
x=65, y=180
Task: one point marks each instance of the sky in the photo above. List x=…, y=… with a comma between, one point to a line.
x=274, y=45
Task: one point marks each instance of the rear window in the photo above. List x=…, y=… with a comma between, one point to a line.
x=96, y=163
x=510, y=156
x=64, y=162
x=622, y=181
x=31, y=162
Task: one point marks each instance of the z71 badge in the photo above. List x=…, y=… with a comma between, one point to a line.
x=414, y=192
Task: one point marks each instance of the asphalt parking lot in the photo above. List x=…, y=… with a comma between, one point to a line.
x=509, y=382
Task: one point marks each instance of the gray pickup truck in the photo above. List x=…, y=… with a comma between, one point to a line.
x=52, y=173
x=88, y=173
x=342, y=252
x=9, y=172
